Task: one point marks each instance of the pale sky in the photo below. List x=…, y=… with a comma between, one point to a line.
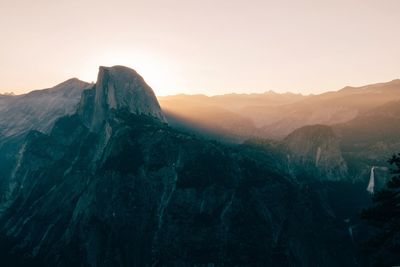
x=207, y=46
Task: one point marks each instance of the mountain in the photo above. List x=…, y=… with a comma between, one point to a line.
x=117, y=88
x=211, y=122
x=370, y=139
x=114, y=185
x=274, y=116
x=379, y=125
x=222, y=115
x=315, y=149
x=39, y=109
x=332, y=107
x=230, y=102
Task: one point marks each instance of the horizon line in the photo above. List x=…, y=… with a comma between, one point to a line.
x=233, y=92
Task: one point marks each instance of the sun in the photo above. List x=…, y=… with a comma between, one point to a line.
x=157, y=73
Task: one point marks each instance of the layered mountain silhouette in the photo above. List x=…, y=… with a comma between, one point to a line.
x=101, y=175
x=272, y=115
x=112, y=184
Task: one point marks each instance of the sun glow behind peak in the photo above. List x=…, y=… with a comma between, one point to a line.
x=157, y=73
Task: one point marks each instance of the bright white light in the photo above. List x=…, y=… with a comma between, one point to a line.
x=155, y=72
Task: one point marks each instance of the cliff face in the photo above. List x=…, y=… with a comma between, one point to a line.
x=119, y=88
x=114, y=185
x=37, y=110
x=316, y=149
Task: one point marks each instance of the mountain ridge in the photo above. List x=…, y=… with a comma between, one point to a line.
x=38, y=109
x=276, y=115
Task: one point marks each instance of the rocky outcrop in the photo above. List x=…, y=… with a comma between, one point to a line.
x=118, y=88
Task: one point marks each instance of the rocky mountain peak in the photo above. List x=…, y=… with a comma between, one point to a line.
x=120, y=88
x=71, y=83
x=39, y=109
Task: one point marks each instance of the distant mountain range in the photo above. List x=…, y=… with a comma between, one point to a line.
x=103, y=175
x=272, y=115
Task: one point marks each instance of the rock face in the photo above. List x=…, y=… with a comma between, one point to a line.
x=39, y=109
x=116, y=88
x=113, y=185
x=316, y=149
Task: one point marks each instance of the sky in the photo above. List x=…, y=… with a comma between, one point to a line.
x=209, y=46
